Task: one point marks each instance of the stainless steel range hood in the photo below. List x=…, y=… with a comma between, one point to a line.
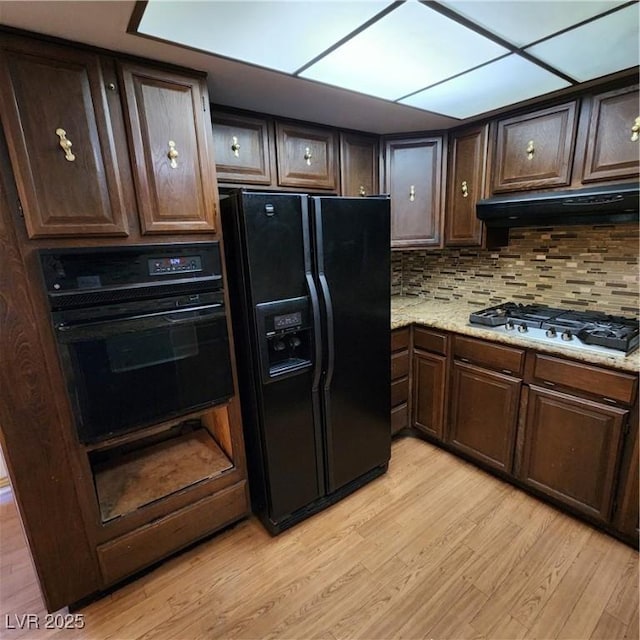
x=593, y=205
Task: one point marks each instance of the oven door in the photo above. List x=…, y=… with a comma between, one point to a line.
x=128, y=372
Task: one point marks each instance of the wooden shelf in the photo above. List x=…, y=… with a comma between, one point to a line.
x=137, y=478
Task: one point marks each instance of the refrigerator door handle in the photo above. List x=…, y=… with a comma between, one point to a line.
x=329, y=317
x=315, y=308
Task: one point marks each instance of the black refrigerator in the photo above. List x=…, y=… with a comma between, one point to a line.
x=309, y=283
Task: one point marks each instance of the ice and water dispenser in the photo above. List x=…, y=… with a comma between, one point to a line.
x=286, y=337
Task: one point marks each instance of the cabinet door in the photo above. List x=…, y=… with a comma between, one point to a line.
x=242, y=147
x=612, y=144
x=484, y=414
x=169, y=127
x=571, y=450
x=67, y=162
x=414, y=179
x=468, y=153
x=535, y=150
x=306, y=157
x=429, y=376
x=627, y=516
x=358, y=165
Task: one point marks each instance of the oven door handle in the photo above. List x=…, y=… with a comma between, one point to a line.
x=163, y=319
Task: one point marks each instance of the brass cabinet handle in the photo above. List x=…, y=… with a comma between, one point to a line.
x=363, y=191
x=530, y=150
x=172, y=154
x=235, y=146
x=307, y=155
x=465, y=189
x=66, y=145
x=635, y=130
x=412, y=193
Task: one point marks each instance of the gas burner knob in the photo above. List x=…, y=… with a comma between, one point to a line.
x=522, y=328
x=551, y=333
x=509, y=326
x=567, y=335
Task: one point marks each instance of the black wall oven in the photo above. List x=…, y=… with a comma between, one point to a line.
x=141, y=333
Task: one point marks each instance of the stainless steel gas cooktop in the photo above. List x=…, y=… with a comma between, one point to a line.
x=589, y=330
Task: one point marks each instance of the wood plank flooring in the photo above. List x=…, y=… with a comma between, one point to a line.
x=434, y=549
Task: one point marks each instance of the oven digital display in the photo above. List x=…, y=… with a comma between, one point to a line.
x=174, y=264
x=288, y=320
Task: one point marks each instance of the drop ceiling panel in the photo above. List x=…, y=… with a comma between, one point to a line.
x=590, y=51
x=280, y=35
x=505, y=81
x=410, y=48
x=522, y=22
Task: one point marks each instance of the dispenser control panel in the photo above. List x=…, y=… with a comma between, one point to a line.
x=287, y=321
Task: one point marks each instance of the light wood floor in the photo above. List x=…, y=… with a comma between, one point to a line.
x=434, y=549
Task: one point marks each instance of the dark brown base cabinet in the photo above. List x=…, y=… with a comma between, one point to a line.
x=484, y=414
x=400, y=339
x=571, y=450
x=430, y=369
x=485, y=395
x=627, y=513
x=564, y=429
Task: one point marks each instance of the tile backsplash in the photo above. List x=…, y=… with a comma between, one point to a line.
x=583, y=267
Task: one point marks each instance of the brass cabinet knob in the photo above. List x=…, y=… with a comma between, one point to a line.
x=412, y=193
x=635, y=130
x=235, y=146
x=66, y=144
x=465, y=189
x=530, y=150
x=363, y=191
x=307, y=155
x=173, y=154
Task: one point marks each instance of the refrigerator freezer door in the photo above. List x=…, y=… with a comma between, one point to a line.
x=282, y=431
x=352, y=249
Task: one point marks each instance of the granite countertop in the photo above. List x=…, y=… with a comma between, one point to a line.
x=454, y=316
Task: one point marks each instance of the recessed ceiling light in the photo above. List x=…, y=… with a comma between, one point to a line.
x=503, y=82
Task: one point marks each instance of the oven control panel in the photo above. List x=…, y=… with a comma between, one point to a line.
x=174, y=264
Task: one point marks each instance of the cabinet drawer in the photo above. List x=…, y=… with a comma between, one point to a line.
x=140, y=548
x=399, y=364
x=399, y=339
x=429, y=340
x=399, y=418
x=399, y=391
x=495, y=356
x=604, y=383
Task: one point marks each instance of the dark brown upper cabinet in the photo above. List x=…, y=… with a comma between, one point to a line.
x=243, y=149
x=413, y=177
x=70, y=167
x=614, y=137
x=306, y=156
x=358, y=165
x=170, y=136
x=465, y=186
x=535, y=150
